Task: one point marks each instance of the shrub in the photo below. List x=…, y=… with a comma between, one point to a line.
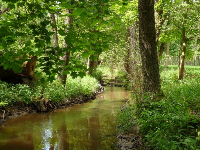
x=54, y=91
x=10, y=94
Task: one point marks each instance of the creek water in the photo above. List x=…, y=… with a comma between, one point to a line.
x=90, y=126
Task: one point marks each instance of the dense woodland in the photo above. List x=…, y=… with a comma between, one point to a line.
x=50, y=50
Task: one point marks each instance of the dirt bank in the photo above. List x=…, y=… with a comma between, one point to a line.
x=42, y=106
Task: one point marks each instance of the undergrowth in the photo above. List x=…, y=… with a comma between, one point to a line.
x=172, y=123
x=54, y=91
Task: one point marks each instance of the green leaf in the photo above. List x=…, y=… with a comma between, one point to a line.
x=78, y=11
x=74, y=74
x=85, y=54
x=66, y=5
x=62, y=32
x=82, y=74
x=1, y=46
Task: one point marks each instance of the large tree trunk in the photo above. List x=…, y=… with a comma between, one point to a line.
x=147, y=40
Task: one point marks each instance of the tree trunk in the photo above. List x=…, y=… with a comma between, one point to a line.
x=93, y=63
x=184, y=42
x=66, y=58
x=131, y=61
x=167, y=56
x=160, y=19
x=184, y=46
x=162, y=49
x=198, y=61
x=147, y=43
x=54, y=28
x=128, y=53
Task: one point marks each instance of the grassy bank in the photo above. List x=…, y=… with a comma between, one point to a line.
x=173, y=122
x=55, y=91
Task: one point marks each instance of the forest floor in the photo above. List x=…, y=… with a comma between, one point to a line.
x=172, y=122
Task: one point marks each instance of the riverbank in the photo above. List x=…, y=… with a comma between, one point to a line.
x=91, y=125
x=42, y=106
x=168, y=123
x=18, y=100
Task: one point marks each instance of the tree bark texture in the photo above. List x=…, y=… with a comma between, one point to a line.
x=130, y=58
x=147, y=43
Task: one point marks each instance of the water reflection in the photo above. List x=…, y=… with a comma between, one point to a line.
x=87, y=126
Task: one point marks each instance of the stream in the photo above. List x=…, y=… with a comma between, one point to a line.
x=89, y=126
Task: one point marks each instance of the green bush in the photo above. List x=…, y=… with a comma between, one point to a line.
x=89, y=85
x=98, y=74
x=81, y=86
x=10, y=94
x=75, y=87
x=54, y=91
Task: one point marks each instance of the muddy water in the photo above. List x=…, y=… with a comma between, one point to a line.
x=89, y=126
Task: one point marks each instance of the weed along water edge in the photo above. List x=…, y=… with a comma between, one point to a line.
x=87, y=126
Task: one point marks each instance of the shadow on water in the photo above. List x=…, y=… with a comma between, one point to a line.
x=87, y=126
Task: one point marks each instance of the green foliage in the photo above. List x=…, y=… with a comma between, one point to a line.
x=98, y=74
x=105, y=70
x=10, y=94
x=27, y=29
x=88, y=85
x=75, y=87
x=126, y=118
x=53, y=91
x=108, y=72
x=172, y=122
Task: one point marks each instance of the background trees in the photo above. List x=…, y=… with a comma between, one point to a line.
x=101, y=31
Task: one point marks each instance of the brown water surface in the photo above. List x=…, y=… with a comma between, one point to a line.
x=89, y=126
